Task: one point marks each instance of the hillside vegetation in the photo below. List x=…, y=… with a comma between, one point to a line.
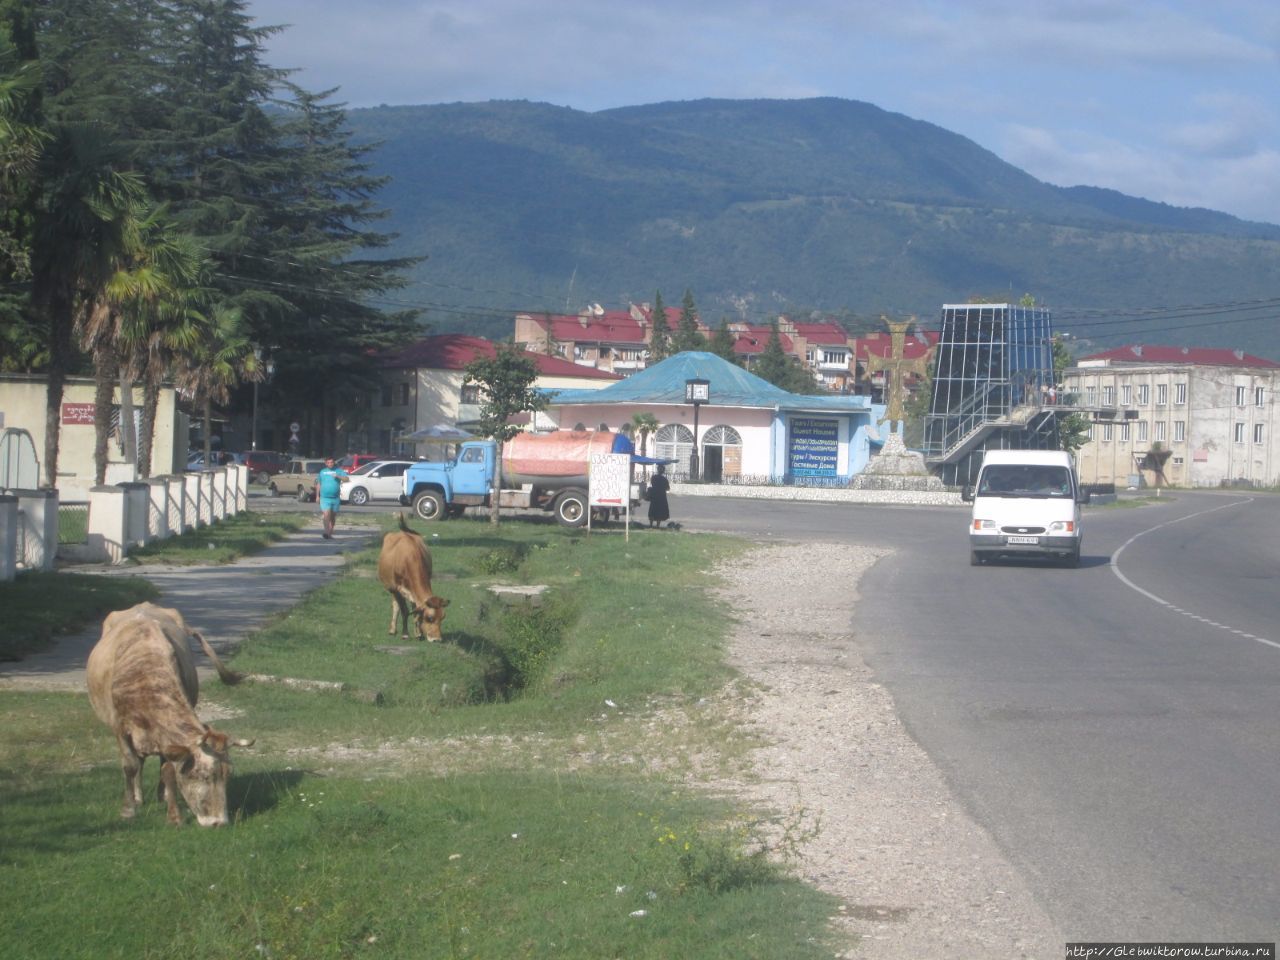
x=763, y=206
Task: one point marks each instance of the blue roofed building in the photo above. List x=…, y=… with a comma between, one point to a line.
x=748, y=431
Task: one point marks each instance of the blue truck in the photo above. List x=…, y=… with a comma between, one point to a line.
x=538, y=471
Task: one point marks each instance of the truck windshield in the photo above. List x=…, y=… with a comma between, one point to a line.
x=1024, y=480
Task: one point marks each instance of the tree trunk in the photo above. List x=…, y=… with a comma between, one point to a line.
x=497, y=482
x=208, y=432
x=59, y=312
x=104, y=369
x=146, y=441
x=128, y=422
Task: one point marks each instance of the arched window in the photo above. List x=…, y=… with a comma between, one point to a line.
x=722, y=436
x=674, y=441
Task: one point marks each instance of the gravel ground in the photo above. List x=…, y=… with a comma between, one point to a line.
x=916, y=877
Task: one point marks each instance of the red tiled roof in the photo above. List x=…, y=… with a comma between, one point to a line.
x=1206, y=356
x=453, y=351
x=881, y=345
x=613, y=326
x=755, y=339
x=822, y=332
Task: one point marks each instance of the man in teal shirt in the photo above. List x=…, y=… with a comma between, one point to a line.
x=328, y=483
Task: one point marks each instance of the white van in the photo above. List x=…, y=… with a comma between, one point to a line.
x=1026, y=503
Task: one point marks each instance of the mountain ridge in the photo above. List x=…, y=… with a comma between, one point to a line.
x=767, y=206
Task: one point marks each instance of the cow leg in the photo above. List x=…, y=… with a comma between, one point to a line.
x=169, y=789
x=131, y=763
x=399, y=612
x=410, y=610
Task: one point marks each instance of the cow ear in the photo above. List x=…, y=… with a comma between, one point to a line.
x=215, y=741
x=440, y=602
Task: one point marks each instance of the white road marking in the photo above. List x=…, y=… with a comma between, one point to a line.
x=1115, y=568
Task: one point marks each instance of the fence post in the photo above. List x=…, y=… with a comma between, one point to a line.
x=8, y=536
x=108, y=524
x=205, y=500
x=137, y=504
x=38, y=517
x=158, y=509
x=239, y=496
x=217, y=493
x=190, y=500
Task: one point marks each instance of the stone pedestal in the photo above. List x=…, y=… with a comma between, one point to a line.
x=897, y=468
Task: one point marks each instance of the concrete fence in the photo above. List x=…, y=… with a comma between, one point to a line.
x=122, y=517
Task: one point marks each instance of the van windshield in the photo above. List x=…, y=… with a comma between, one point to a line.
x=1024, y=480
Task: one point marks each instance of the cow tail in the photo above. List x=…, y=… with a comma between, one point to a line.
x=403, y=525
x=225, y=674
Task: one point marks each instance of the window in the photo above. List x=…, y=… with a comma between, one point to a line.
x=1240, y=396
x=1107, y=429
x=470, y=393
x=1257, y=433
x=1160, y=430
x=1177, y=461
x=1142, y=430
x=1179, y=393
x=1239, y=434
x=1162, y=394
x=1124, y=432
x=472, y=455
x=1257, y=396
x=1108, y=396
x=402, y=392
x=1179, y=431
x=1144, y=394
x=1091, y=396
x=386, y=394
x=1126, y=395
x=837, y=357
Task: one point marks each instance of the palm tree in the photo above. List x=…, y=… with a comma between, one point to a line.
x=83, y=218
x=645, y=424
x=223, y=359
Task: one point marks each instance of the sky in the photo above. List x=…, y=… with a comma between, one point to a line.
x=1171, y=100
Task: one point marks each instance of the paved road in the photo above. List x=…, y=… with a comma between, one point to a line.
x=1115, y=727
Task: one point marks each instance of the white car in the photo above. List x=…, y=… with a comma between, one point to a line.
x=380, y=480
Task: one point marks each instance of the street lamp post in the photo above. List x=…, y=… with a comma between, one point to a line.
x=697, y=392
x=253, y=429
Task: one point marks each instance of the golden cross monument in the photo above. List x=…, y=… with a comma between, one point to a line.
x=897, y=367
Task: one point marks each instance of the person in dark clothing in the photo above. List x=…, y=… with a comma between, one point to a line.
x=659, y=511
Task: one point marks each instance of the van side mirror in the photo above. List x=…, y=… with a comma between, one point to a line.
x=966, y=493
x=1083, y=495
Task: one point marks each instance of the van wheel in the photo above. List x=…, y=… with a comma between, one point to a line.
x=975, y=558
x=1072, y=559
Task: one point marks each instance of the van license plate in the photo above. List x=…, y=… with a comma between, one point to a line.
x=1023, y=539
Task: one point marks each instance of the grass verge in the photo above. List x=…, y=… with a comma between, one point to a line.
x=520, y=792
x=39, y=606
x=222, y=542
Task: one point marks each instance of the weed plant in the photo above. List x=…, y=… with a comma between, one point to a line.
x=503, y=801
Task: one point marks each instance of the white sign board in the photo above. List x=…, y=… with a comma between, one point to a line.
x=610, y=480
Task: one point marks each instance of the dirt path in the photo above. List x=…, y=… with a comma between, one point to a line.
x=918, y=879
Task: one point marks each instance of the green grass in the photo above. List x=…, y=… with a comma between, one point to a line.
x=222, y=542
x=520, y=792
x=39, y=606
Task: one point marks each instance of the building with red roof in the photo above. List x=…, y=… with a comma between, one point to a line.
x=1209, y=414
x=422, y=387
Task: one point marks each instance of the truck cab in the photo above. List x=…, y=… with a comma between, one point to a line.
x=1026, y=503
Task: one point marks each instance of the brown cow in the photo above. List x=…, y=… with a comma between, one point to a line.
x=404, y=567
x=143, y=685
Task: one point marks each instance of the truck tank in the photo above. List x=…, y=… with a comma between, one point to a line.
x=559, y=458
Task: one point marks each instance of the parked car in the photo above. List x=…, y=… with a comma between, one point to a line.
x=298, y=479
x=218, y=458
x=354, y=461
x=264, y=464
x=379, y=480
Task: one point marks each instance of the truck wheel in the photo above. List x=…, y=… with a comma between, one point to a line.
x=429, y=506
x=571, y=508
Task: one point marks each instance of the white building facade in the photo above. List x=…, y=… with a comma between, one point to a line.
x=1214, y=411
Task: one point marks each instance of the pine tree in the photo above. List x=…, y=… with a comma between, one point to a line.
x=660, y=331
x=687, y=335
x=723, y=342
x=772, y=363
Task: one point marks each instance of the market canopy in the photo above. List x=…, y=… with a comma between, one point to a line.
x=440, y=433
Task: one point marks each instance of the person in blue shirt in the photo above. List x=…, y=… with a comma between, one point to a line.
x=328, y=483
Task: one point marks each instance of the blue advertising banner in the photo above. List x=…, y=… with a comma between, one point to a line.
x=814, y=447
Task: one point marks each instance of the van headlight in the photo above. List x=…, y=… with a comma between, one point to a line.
x=981, y=525
x=1062, y=526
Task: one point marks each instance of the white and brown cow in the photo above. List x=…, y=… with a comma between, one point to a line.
x=404, y=567
x=143, y=685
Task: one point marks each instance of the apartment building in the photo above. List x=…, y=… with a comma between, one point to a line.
x=1214, y=410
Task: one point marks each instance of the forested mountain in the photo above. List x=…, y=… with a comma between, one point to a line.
x=767, y=206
